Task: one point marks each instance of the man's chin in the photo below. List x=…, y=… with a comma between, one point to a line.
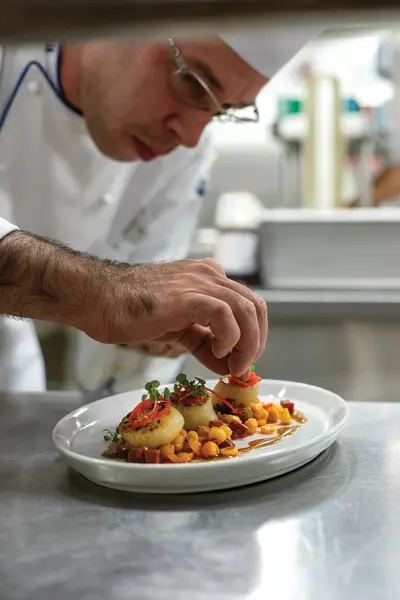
x=120, y=149
x=119, y=153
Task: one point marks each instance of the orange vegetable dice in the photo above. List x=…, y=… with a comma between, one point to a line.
x=273, y=415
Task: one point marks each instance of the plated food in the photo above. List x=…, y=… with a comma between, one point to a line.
x=192, y=422
x=79, y=438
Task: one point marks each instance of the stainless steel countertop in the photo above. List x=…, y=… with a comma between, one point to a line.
x=328, y=531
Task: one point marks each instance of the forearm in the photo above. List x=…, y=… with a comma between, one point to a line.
x=42, y=279
x=193, y=303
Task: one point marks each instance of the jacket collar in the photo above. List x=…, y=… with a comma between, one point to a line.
x=52, y=66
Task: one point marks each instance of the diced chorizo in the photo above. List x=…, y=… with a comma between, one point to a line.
x=289, y=405
x=216, y=423
x=122, y=450
x=152, y=457
x=241, y=413
x=224, y=409
x=136, y=455
x=239, y=430
x=227, y=444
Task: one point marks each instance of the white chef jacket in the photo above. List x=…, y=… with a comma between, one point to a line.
x=54, y=182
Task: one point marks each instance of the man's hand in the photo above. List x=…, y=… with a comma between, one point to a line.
x=161, y=349
x=188, y=302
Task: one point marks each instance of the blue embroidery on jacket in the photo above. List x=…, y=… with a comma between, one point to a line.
x=202, y=188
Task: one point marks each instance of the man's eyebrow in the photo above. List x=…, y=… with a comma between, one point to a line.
x=209, y=75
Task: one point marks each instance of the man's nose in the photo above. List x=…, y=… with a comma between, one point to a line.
x=188, y=126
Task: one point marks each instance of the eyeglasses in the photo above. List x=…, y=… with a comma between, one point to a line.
x=193, y=90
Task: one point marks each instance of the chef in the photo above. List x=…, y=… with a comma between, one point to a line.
x=103, y=146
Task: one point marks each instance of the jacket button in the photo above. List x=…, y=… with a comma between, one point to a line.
x=33, y=87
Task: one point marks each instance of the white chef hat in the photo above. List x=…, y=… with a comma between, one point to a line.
x=268, y=50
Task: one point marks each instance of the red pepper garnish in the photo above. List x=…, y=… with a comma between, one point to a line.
x=182, y=394
x=222, y=399
x=164, y=410
x=252, y=380
x=185, y=395
x=155, y=413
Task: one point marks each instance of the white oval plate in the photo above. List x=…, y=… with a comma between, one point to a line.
x=79, y=437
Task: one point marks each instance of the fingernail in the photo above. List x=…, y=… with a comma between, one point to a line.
x=220, y=354
x=239, y=373
x=245, y=375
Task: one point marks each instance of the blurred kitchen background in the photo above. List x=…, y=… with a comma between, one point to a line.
x=304, y=207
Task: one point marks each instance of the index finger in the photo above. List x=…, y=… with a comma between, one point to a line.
x=217, y=315
x=198, y=341
x=260, y=306
x=247, y=348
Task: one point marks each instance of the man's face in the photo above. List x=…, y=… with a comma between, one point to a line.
x=129, y=99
